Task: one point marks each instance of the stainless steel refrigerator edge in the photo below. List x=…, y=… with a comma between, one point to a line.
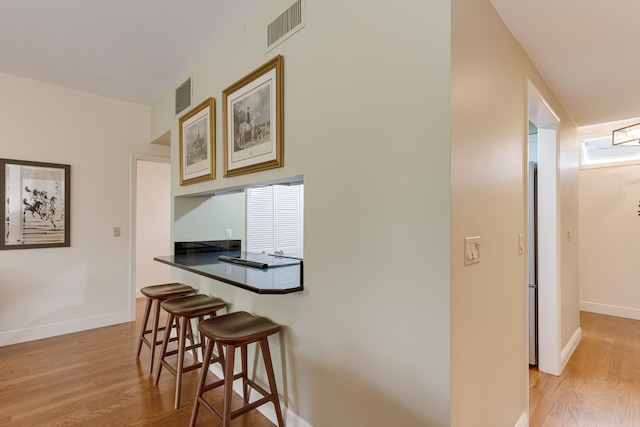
x=533, y=263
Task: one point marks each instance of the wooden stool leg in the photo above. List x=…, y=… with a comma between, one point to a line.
x=202, y=341
x=266, y=355
x=154, y=334
x=245, y=384
x=220, y=358
x=203, y=377
x=145, y=320
x=182, y=338
x=163, y=349
x=228, y=385
x=192, y=339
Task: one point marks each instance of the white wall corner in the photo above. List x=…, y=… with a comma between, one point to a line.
x=291, y=419
x=568, y=350
x=523, y=421
x=610, y=310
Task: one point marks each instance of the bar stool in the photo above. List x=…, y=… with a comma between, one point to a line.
x=155, y=295
x=182, y=310
x=235, y=330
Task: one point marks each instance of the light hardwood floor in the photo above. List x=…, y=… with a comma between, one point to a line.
x=92, y=378
x=600, y=386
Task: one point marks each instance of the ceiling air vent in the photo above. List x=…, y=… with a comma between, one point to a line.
x=286, y=25
x=183, y=96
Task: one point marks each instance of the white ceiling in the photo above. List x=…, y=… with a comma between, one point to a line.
x=133, y=50
x=586, y=50
x=136, y=50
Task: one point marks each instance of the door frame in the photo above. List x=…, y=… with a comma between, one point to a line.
x=133, y=203
x=549, y=296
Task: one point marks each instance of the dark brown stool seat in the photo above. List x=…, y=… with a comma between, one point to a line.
x=156, y=294
x=235, y=330
x=182, y=310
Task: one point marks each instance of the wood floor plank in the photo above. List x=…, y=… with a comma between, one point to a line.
x=92, y=378
x=600, y=386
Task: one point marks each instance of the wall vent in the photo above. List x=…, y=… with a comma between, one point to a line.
x=286, y=25
x=183, y=96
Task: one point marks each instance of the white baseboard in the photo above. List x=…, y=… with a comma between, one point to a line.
x=610, y=310
x=291, y=419
x=523, y=421
x=568, y=350
x=47, y=331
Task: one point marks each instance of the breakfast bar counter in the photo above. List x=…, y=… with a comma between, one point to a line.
x=260, y=273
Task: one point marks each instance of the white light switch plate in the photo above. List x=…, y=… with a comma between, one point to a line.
x=472, y=250
x=520, y=244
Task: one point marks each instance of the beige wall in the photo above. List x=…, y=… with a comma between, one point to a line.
x=489, y=69
x=47, y=292
x=367, y=124
x=609, y=245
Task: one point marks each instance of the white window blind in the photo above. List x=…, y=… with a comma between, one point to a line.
x=275, y=219
x=260, y=217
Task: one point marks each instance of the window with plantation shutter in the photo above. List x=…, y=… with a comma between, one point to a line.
x=260, y=217
x=275, y=219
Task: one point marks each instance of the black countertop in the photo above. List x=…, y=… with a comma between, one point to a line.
x=275, y=279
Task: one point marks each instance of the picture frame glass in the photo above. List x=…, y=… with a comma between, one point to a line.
x=196, y=149
x=197, y=144
x=252, y=122
x=36, y=206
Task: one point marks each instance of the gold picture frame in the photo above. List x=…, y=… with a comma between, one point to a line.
x=253, y=121
x=198, y=144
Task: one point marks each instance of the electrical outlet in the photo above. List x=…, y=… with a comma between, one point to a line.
x=227, y=234
x=116, y=231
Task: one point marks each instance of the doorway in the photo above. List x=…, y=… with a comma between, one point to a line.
x=149, y=222
x=547, y=306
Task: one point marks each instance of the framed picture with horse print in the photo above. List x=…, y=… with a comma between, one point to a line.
x=253, y=121
x=197, y=144
x=36, y=199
